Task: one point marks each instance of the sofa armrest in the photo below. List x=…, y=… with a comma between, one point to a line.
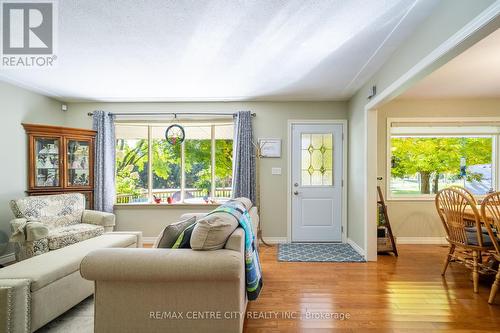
x=162, y=265
x=15, y=305
x=24, y=231
x=107, y=220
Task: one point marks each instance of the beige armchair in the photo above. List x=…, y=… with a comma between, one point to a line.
x=50, y=222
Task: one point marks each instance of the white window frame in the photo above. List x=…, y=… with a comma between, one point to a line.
x=436, y=120
x=150, y=189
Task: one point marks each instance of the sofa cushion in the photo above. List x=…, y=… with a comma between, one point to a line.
x=212, y=231
x=171, y=232
x=55, y=211
x=72, y=234
x=472, y=239
x=184, y=239
x=49, y=267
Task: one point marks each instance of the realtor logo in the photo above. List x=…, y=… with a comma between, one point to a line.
x=27, y=29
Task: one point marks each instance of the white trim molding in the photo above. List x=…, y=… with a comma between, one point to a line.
x=345, y=137
x=422, y=240
x=268, y=240
x=7, y=258
x=148, y=240
x=275, y=240
x=356, y=247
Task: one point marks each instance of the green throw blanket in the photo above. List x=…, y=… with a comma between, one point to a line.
x=252, y=264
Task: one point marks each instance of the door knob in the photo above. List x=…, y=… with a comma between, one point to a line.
x=296, y=192
x=296, y=184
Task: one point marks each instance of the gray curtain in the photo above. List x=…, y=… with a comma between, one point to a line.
x=244, y=157
x=104, y=169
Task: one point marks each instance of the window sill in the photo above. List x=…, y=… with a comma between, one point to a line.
x=166, y=205
x=411, y=199
x=424, y=199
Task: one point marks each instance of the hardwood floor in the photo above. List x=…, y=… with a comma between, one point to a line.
x=404, y=294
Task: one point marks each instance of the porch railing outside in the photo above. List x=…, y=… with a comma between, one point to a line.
x=222, y=192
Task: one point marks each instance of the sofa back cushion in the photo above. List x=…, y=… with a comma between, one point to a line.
x=54, y=211
x=212, y=231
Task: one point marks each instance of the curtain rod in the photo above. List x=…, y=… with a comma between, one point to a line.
x=175, y=114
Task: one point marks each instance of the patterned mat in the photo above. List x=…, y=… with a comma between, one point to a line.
x=318, y=252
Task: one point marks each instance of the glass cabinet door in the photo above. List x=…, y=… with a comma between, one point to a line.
x=47, y=173
x=78, y=163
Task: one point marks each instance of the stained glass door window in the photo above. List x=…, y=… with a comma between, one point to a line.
x=317, y=159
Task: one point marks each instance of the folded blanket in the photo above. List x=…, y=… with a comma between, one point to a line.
x=253, y=271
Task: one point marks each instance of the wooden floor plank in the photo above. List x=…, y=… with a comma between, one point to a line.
x=404, y=294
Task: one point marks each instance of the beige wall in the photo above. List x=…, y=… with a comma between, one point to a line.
x=271, y=121
x=447, y=18
x=18, y=106
x=411, y=218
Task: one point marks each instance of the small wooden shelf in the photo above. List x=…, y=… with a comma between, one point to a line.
x=387, y=243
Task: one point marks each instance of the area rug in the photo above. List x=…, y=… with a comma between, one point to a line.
x=318, y=252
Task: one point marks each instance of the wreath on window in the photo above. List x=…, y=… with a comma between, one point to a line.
x=175, y=134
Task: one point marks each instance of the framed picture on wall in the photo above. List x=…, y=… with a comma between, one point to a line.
x=270, y=147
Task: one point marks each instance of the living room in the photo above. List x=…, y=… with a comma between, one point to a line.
x=214, y=163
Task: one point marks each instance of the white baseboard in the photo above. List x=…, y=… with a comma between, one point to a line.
x=356, y=247
x=148, y=240
x=269, y=240
x=421, y=240
x=6, y=258
x=275, y=240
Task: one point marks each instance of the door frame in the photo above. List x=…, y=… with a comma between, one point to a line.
x=292, y=122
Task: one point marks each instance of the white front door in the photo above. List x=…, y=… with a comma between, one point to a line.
x=317, y=182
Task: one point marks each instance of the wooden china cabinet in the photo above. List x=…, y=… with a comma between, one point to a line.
x=60, y=160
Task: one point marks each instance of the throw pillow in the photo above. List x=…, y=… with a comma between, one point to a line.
x=169, y=235
x=212, y=231
x=183, y=241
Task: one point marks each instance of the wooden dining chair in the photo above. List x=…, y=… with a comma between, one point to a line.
x=466, y=244
x=465, y=192
x=490, y=211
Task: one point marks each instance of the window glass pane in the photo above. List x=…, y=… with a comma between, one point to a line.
x=223, y=161
x=131, y=164
x=78, y=163
x=47, y=162
x=166, y=167
x=166, y=164
x=198, y=171
x=425, y=165
x=316, y=159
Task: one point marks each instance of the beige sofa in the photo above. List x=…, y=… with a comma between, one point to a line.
x=39, y=289
x=170, y=290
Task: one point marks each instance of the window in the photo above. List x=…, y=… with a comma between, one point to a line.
x=316, y=159
x=195, y=172
x=424, y=158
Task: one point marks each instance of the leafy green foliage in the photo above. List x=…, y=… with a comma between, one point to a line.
x=132, y=164
x=131, y=158
x=436, y=156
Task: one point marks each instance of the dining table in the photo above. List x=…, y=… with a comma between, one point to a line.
x=469, y=215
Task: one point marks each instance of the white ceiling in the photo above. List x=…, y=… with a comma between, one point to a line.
x=474, y=73
x=221, y=49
